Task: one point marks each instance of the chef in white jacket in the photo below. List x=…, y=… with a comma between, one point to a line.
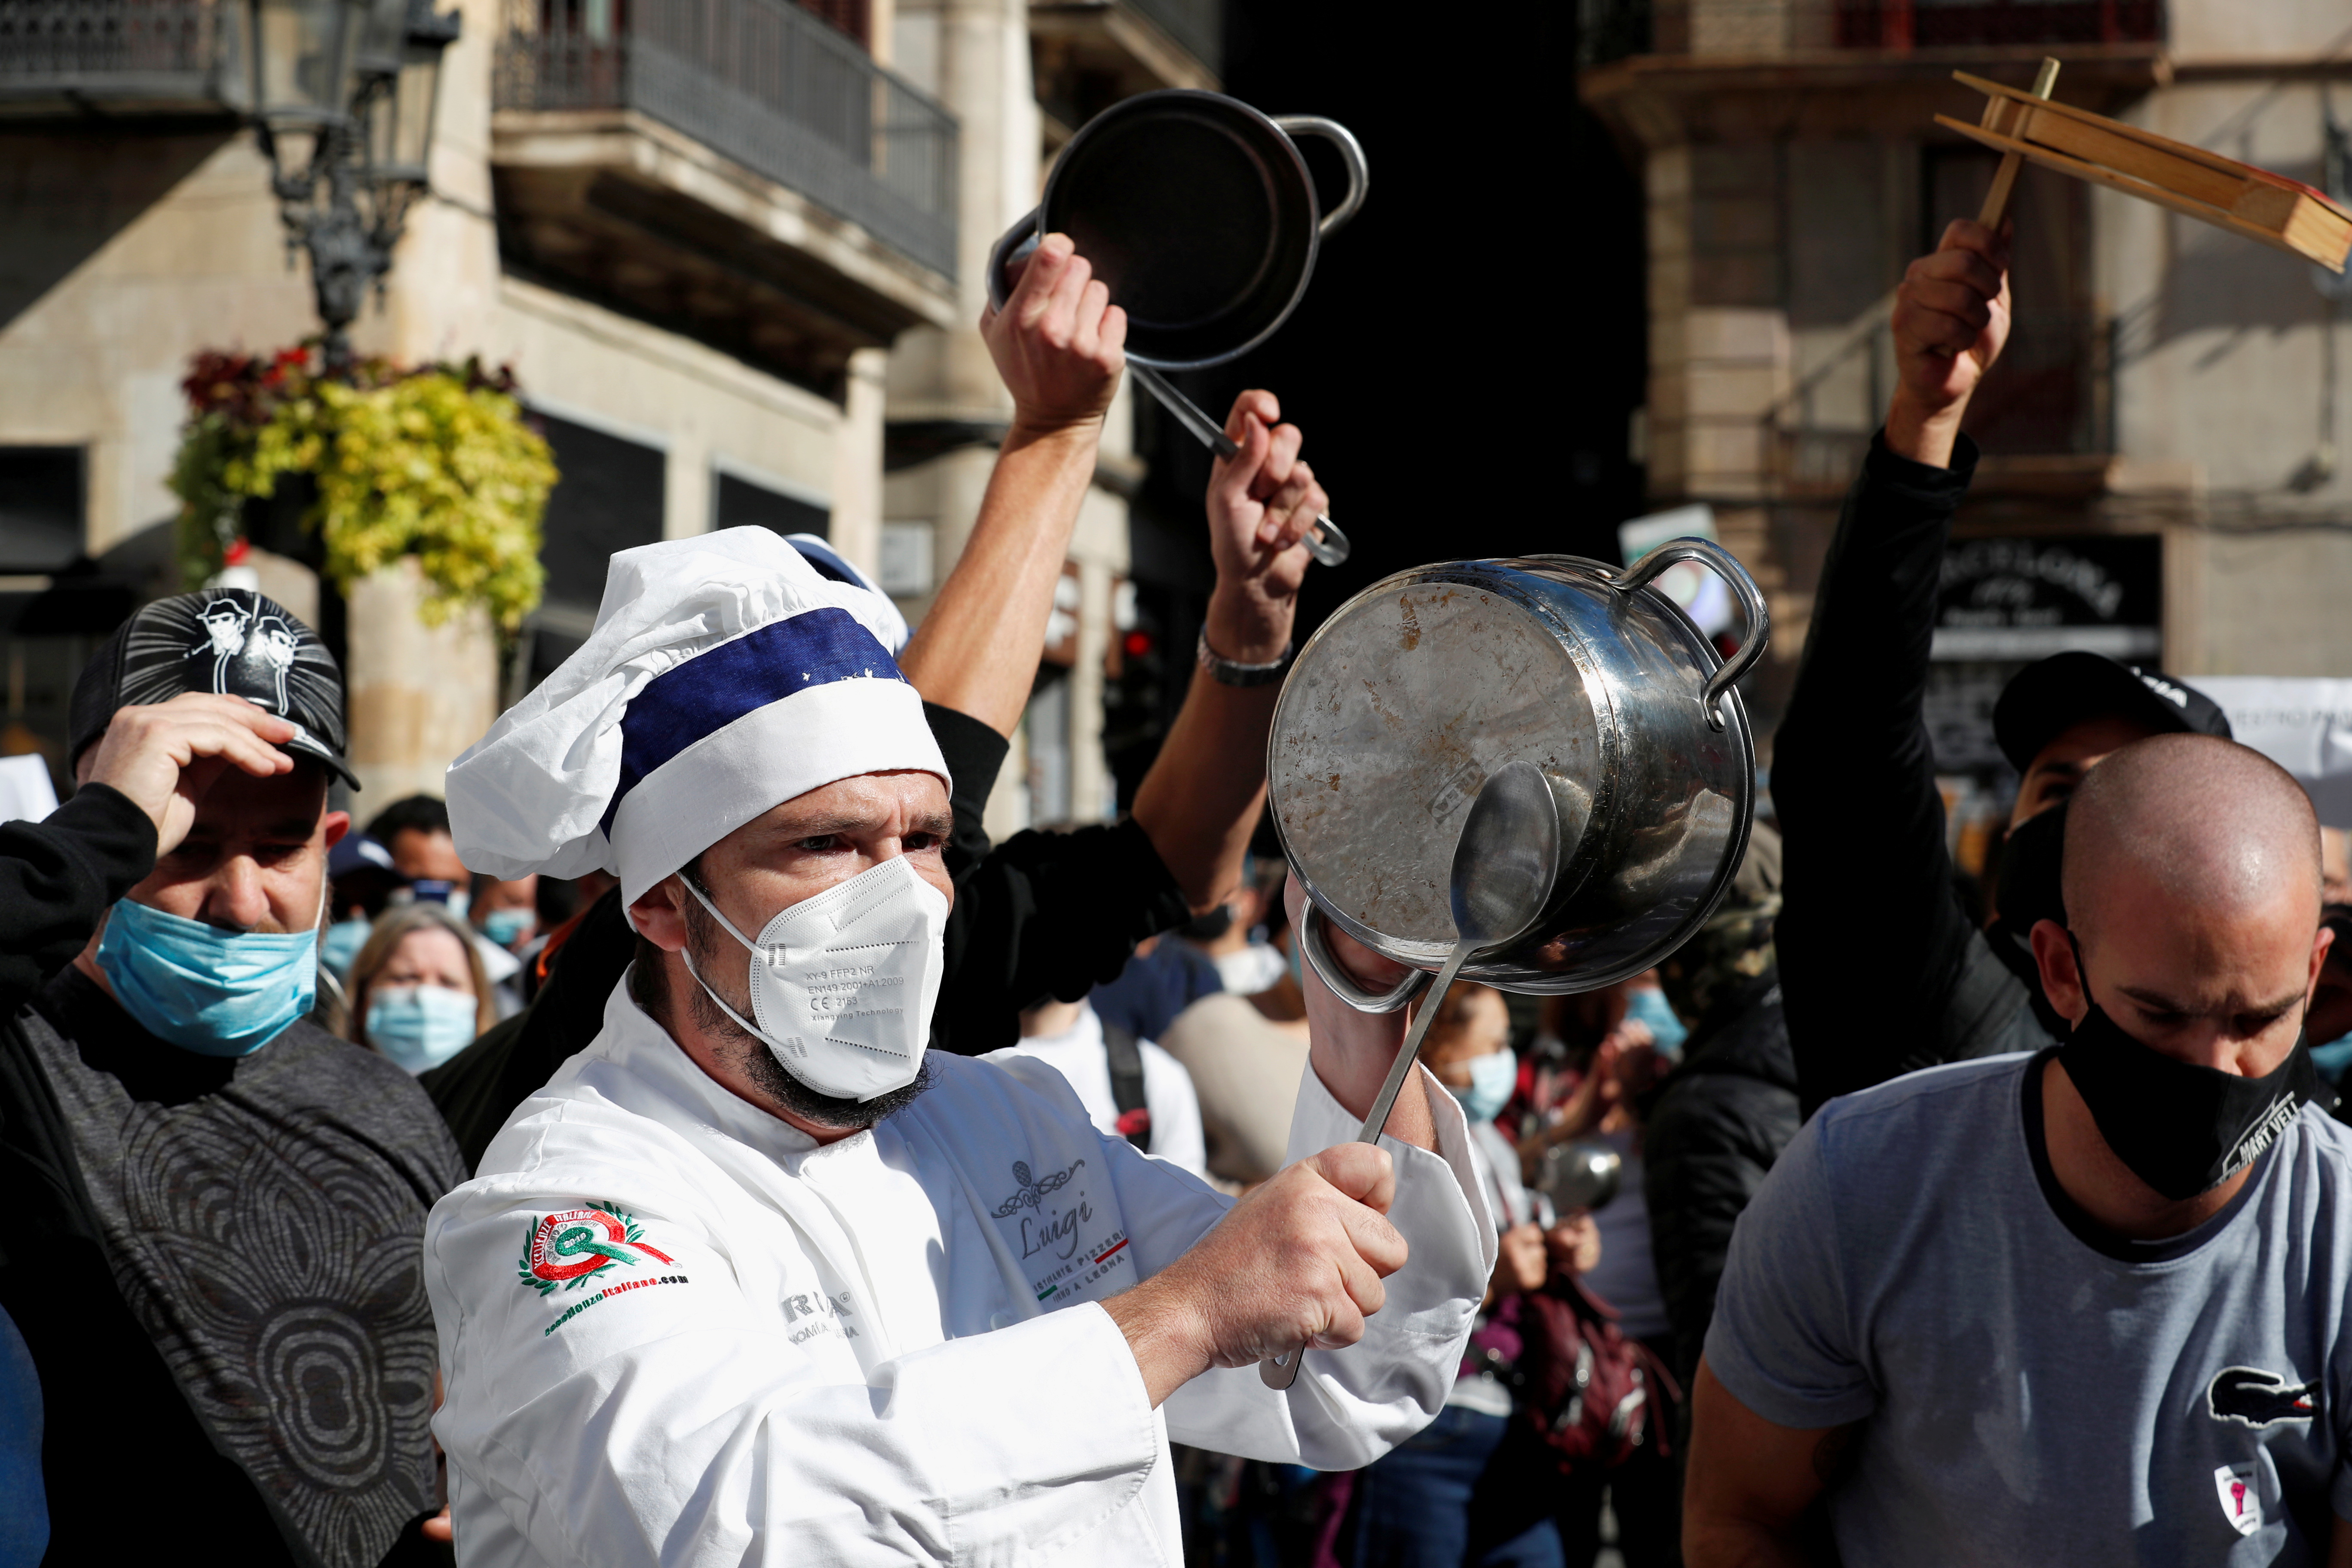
x=754, y=1279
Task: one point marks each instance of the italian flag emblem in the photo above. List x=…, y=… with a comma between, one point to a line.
x=576, y=1245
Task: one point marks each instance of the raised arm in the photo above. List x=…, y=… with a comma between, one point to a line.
x=1056, y=913
x=1200, y=802
x=1059, y=345
x=140, y=782
x=1872, y=939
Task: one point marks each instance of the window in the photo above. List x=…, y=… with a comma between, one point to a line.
x=738, y=501
x=610, y=498
x=40, y=508
x=906, y=559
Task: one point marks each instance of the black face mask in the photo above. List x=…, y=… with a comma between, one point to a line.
x=1208, y=927
x=2182, y=1128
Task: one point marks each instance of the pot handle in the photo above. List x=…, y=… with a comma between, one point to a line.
x=1757, y=619
x=1021, y=234
x=1351, y=153
x=1316, y=952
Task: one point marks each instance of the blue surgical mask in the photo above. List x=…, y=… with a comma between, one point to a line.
x=505, y=926
x=217, y=993
x=421, y=1027
x=1649, y=1005
x=341, y=942
x=1493, y=1076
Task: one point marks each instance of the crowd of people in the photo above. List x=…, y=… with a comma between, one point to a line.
x=937, y=1200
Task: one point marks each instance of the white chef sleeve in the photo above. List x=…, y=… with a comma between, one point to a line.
x=1350, y=1407
x=665, y=1424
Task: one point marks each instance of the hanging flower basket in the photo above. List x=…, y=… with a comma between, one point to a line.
x=436, y=462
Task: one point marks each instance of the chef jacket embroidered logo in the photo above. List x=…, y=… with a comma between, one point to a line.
x=2252, y=1397
x=1055, y=1239
x=574, y=1247
x=1033, y=1191
x=2242, y=1500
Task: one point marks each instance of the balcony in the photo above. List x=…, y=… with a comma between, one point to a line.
x=1668, y=68
x=1087, y=54
x=737, y=169
x=122, y=56
x=1614, y=29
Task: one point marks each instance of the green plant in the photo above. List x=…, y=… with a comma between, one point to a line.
x=436, y=461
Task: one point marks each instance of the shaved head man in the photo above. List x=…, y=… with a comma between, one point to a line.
x=2025, y=1309
x=2194, y=944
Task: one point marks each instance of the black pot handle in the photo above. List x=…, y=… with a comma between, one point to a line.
x=1351, y=153
x=1020, y=236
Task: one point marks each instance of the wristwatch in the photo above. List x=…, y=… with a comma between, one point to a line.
x=1233, y=672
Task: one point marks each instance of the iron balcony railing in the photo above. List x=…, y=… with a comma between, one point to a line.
x=1197, y=25
x=179, y=52
x=762, y=82
x=1613, y=29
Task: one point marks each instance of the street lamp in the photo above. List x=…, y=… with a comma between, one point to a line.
x=343, y=96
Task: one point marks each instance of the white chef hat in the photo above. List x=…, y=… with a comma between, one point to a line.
x=724, y=677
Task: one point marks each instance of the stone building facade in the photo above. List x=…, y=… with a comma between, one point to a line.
x=732, y=249
x=2165, y=473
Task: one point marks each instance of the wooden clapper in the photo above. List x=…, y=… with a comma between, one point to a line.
x=2221, y=191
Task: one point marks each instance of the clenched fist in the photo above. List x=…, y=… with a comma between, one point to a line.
x=1297, y=1261
x=1951, y=317
x=1522, y=1261
x=1060, y=342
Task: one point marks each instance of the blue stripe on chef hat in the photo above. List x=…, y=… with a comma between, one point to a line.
x=709, y=692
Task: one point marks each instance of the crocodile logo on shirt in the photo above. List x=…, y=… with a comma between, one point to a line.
x=574, y=1247
x=2252, y=1397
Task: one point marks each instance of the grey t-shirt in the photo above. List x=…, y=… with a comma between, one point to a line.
x=2031, y=1392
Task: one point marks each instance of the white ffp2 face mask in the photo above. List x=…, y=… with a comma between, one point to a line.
x=843, y=983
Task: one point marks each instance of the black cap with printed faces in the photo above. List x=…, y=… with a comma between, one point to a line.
x=231, y=641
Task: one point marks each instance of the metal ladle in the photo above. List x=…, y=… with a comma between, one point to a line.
x=1504, y=863
x=1324, y=541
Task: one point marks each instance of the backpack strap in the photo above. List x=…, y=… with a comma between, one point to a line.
x=1127, y=1084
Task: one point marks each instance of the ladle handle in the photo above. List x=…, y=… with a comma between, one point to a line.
x=1757, y=620
x=1323, y=540
x=1351, y=154
x=1282, y=1371
x=1317, y=951
x=1189, y=414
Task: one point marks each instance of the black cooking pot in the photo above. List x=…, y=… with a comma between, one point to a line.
x=1199, y=215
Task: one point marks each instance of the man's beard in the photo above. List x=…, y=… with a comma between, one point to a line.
x=716, y=959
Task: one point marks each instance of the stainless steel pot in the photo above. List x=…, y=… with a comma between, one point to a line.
x=1418, y=687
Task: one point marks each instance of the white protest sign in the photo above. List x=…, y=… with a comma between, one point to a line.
x=25, y=792
x=2302, y=723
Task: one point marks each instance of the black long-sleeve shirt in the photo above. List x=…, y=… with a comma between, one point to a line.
x=1040, y=914
x=177, y=1221
x=1707, y=1142
x=1882, y=970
